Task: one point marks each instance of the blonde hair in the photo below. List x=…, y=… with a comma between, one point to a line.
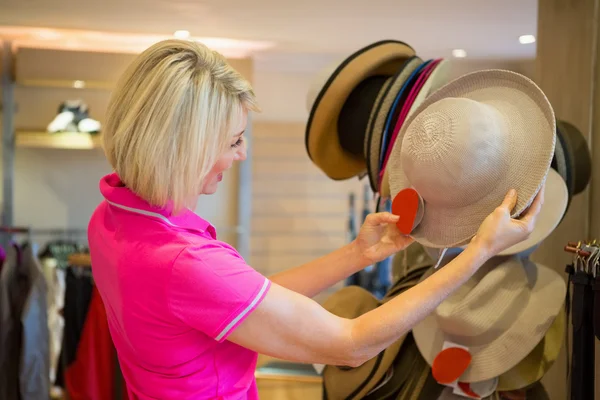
x=171, y=117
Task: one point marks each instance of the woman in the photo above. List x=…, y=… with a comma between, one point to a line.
x=186, y=313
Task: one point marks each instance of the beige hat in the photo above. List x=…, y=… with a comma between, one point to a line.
x=551, y=213
x=500, y=315
x=337, y=122
x=556, y=197
x=341, y=383
x=351, y=302
x=535, y=365
x=466, y=145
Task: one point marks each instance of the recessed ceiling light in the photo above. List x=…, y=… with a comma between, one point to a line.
x=182, y=34
x=526, y=39
x=459, y=53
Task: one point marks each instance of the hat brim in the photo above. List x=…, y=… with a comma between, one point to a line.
x=547, y=295
x=560, y=156
x=321, y=136
x=533, y=367
x=399, y=373
x=355, y=383
x=531, y=138
x=556, y=196
x=378, y=118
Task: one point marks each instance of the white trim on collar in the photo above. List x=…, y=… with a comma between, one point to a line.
x=143, y=212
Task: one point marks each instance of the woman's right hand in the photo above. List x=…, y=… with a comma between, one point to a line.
x=499, y=231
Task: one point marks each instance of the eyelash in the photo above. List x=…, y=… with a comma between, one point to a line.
x=238, y=143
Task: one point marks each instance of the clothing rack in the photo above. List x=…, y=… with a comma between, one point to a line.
x=8, y=231
x=80, y=260
x=583, y=313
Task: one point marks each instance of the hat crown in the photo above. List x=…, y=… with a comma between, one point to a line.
x=487, y=305
x=456, y=151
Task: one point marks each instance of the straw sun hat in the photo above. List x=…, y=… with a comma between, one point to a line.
x=556, y=197
x=466, y=145
x=500, y=315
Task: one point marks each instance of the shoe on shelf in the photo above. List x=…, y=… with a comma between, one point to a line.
x=89, y=125
x=73, y=116
x=63, y=122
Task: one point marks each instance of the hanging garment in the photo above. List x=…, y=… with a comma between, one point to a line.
x=60, y=250
x=92, y=375
x=78, y=294
x=24, y=360
x=582, y=325
x=2, y=257
x=10, y=331
x=55, y=280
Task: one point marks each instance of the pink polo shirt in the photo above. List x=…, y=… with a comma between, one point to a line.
x=173, y=293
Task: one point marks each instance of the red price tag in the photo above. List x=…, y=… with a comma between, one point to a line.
x=450, y=364
x=406, y=205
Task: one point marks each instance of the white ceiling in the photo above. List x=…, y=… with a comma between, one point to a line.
x=484, y=28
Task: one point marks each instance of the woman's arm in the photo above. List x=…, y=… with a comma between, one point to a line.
x=378, y=239
x=290, y=326
x=312, y=278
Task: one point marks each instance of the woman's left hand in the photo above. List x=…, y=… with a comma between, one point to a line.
x=379, y=237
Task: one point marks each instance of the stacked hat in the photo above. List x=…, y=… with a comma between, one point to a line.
x=501, y=331
x=399, y=369
x=358, y=105
x=386, y=114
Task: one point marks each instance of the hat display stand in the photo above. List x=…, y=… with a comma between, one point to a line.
x=442, y=154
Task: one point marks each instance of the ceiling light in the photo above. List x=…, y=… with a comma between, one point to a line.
x=79, y=84
x=459, y=53
x=117, y=42
x=182, y=34
x=526, y=39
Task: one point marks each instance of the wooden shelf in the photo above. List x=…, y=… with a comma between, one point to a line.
x=62, y=140
x=55, y=83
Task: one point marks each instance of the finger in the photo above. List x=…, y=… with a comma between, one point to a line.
x=510, y=200
x=382, y=218
x=535, y=207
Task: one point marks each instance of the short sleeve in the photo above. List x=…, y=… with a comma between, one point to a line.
x=212, y=289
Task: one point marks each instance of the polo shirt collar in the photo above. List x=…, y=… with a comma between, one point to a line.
x=117, y=194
